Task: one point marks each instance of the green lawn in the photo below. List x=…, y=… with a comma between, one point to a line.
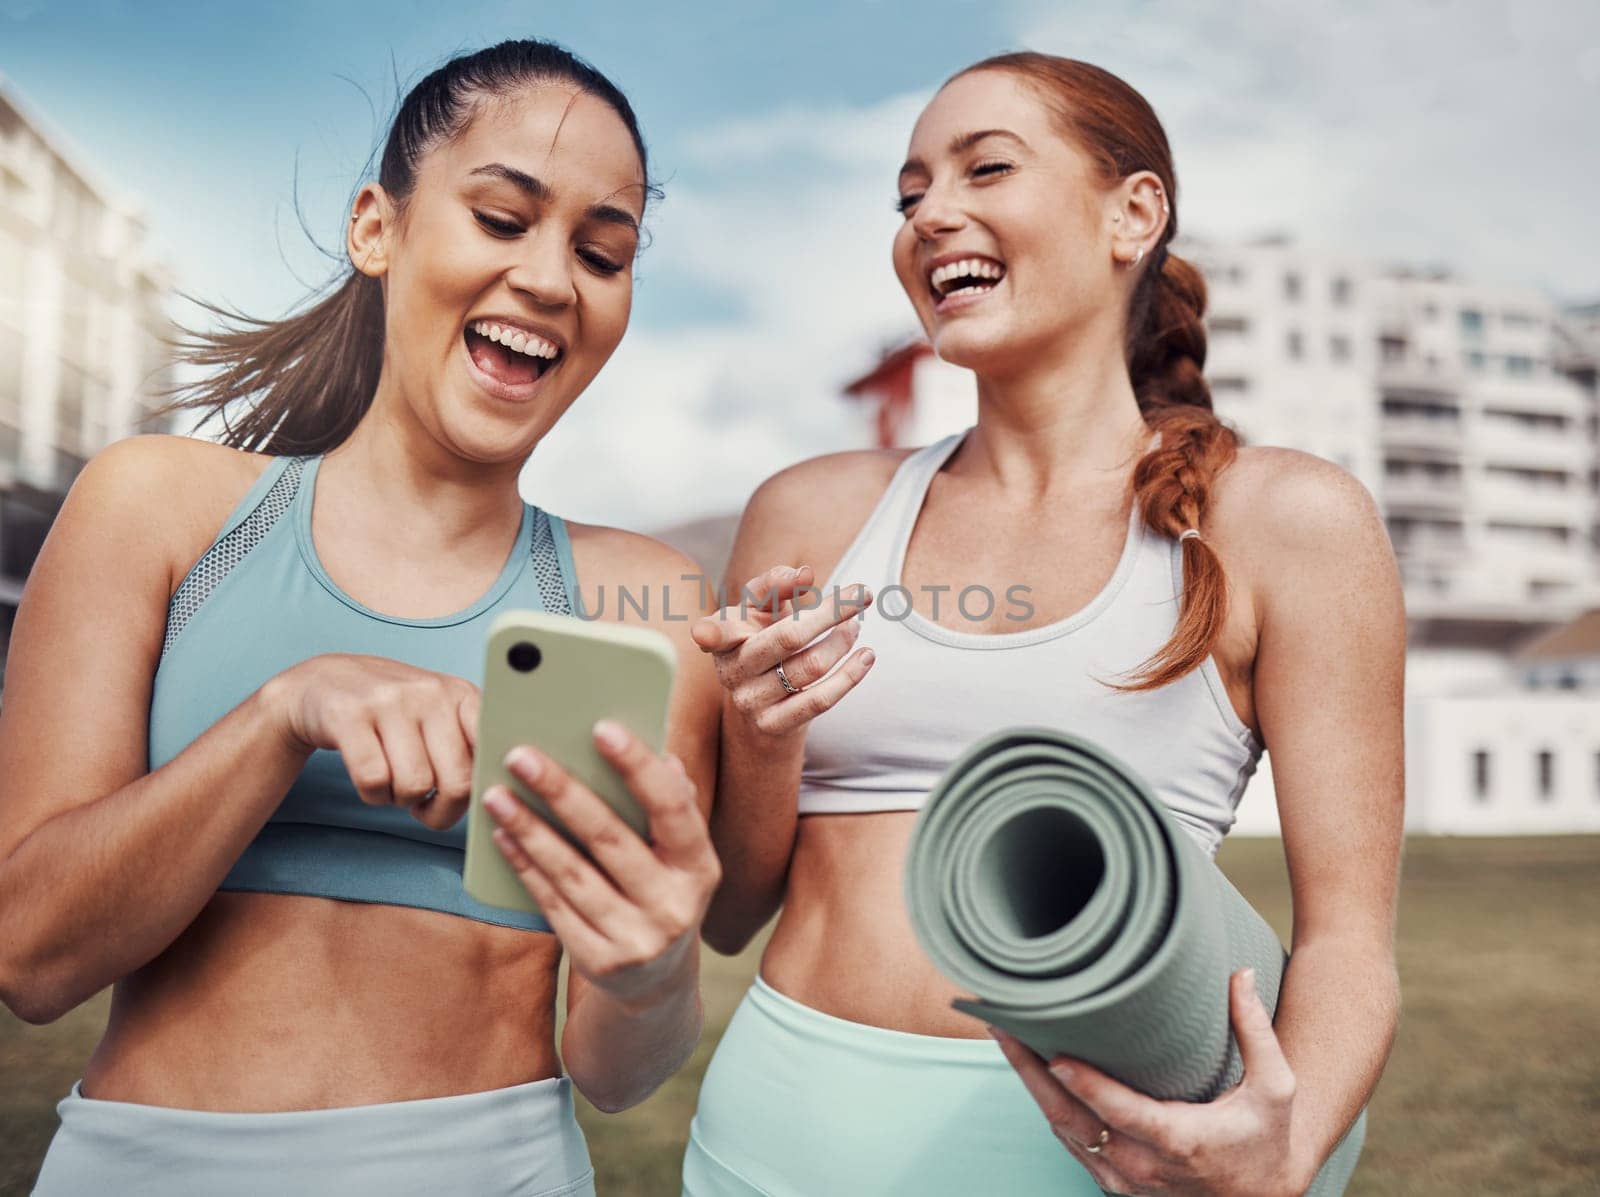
x=1494, y=1086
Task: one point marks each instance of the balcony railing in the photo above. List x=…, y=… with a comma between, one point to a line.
x=1428, y=432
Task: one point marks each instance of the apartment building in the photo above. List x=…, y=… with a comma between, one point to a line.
x=82, y=314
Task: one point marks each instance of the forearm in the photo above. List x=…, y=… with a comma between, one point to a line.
x=753, y=822
x=1336, y=1020
x=618, y=1053
x=101, y=888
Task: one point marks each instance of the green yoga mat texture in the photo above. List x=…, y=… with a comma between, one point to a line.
x=1046, y=878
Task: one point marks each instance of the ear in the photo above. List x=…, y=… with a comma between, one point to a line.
x=1139, y=214
x=371, y=231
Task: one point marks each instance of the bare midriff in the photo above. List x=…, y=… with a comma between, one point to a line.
x=844, y=944
x=274, y=1002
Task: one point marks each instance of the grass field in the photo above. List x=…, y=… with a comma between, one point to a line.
x=1493, y=1088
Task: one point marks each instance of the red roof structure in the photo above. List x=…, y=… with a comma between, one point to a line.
x=889, y=383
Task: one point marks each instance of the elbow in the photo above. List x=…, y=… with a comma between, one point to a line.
x=612, y=1094
x=611, y=1101
x=34, y=1003
x=732, y=923
x=35, y=989
x=725, y=940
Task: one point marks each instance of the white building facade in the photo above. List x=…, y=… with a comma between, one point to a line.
x=82, y=315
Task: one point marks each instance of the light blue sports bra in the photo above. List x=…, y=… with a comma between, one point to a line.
x=259, y=601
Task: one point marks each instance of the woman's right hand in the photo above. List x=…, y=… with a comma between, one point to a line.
x=406, y=734
x=749, y=640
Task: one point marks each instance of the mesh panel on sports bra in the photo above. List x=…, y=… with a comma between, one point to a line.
x=547, y=567
x=221, y=558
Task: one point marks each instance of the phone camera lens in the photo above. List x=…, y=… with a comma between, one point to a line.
x=524, y=656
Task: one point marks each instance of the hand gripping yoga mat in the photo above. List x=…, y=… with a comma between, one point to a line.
x=1046, y=878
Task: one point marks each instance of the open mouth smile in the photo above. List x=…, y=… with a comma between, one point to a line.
x=954, y=281
x=509, y=357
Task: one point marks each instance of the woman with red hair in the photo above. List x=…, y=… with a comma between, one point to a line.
x=1096, y=552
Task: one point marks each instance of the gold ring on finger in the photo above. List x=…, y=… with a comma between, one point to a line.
x=784, y=678
x=1099, y=1144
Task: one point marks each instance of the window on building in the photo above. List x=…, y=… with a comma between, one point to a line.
x=1547, y=775
x=1295, y=344
x=1229, y=384
x=1339, y=290
x=1392, y=349
x=1230, y=326
x=1519, y=365
x=1471, y=322
x=1532, y=421
x=1339, y=348
x=1480, y=775
x=1291, y=287
x=1518, y=319
x=1548, y=535
x=1475, y=360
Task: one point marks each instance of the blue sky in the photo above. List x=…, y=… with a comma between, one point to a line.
x=1456, y=132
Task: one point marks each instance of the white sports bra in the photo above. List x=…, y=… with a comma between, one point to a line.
x=934, y=690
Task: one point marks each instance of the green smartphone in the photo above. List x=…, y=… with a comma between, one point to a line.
x=547, y=680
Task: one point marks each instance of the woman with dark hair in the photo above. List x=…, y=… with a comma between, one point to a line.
x=1187, y=604
x=239, y=719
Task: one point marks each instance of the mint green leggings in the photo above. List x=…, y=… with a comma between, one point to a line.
x=798, y=1103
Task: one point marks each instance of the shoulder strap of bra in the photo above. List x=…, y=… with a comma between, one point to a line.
x=262, y=507
x=552, y=567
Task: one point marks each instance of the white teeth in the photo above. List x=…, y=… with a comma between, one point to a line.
x=516, y=339
x=966, y=268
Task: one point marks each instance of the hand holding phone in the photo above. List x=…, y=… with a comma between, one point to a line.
x=548, y=679
x=627, y=910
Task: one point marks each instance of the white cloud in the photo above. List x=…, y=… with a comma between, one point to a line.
x=1459, y=131
x=1445, y=132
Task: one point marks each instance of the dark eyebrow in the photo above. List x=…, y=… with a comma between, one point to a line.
x=539, y=190
x=960, y=144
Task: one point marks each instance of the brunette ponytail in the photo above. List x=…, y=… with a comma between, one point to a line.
x=301, y=384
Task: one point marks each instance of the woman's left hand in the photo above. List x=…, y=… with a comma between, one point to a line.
x=630, y=919
x=1237, y=1145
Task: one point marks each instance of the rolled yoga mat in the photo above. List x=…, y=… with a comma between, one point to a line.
x=1046, y=878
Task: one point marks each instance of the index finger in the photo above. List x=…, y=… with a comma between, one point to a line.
x=723, y=631
x=779, y=582
x=677, y=828
x=791, y=634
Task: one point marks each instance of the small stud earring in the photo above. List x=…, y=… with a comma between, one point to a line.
x=1138, y=257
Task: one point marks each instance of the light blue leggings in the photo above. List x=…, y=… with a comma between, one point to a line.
x=797, y=1103
x=521, y=1141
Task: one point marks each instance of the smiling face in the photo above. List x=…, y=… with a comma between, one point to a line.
x=1006, y=249
x=508, y=278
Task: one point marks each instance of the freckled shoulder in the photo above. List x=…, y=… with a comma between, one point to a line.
x=809, y=512
x=616, y=558
x=1273, y=505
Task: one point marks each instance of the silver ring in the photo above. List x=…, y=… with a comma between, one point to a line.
x=428, y=797
x=784, y=678
x=1096, y=1147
